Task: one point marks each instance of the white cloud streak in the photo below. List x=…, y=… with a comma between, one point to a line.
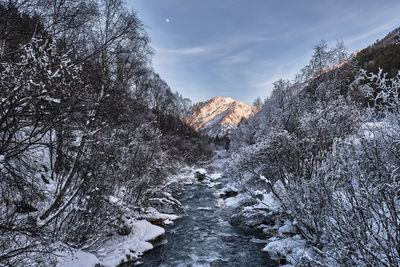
x=384, y=28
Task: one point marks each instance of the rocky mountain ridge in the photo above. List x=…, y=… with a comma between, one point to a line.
x=219, y=116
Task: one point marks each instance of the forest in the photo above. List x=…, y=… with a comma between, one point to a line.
x=83, y=117
x=326, y=146
x=94, y=146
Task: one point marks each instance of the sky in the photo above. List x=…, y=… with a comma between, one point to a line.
x=238, y=48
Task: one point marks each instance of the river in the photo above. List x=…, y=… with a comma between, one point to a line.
x=202, y=237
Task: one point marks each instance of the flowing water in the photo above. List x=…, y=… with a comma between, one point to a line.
x=202, y=237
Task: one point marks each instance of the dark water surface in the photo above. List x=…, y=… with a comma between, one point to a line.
x=201, y=237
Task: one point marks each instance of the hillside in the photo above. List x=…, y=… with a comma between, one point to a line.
x=383, y=54
x=322, y=153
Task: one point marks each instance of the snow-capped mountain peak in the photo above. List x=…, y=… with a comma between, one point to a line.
x=219, y=116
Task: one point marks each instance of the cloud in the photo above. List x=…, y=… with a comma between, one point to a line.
x=184, y=51
x=384, y=28
x=223, y=47
x=234, y=64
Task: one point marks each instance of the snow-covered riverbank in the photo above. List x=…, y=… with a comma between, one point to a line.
x=260, y=210
x=141, y=223
x=117, y=249
x=219, y=221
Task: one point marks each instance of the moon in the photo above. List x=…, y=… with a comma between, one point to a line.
x=167, y=20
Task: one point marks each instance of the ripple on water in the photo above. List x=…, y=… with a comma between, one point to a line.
x=205, y=208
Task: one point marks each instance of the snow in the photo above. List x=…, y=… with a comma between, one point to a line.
x=151, y=214
x=287, y=228
x=215, y=176
x=212, y=184
x=290, y=248
x=219, y=115
x=234, y=201
x=200, y=170
x=270, y=201
x=117, y=249
x=78, y=258
x=229, y=188
x=2, y=159
x=113, y=199
x=262, y=177
x=369, y=129
x=205, y=208
x=260, y=209
x=51, y=99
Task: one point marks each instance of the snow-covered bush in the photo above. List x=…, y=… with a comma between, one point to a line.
x=337, y=163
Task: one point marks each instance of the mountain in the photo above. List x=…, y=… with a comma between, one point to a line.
x=383, y=54
x=219, y=116
x=391, y=38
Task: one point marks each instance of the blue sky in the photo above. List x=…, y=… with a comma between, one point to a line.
x=238, y=48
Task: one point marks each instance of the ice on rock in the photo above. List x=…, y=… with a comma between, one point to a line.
x=287, y=228
x=205, y=208
x=200, y=170
x=215, y=175
x=288, y=248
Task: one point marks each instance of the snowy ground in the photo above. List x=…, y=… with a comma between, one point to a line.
x=117, y=249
